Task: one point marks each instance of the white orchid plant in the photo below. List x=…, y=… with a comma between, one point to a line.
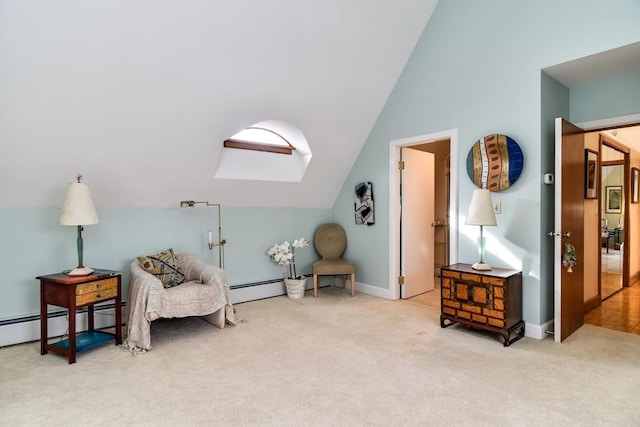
x=284, y=255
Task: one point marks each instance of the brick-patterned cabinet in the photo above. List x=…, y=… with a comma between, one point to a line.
x=488, y=300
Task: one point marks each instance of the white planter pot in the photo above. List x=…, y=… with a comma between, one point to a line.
x=295, y=287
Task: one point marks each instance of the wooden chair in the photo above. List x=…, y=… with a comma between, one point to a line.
x=330, y=241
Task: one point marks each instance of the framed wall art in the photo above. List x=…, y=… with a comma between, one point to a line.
x=591, y=167
x=613, y=199
x=364, y=203
x=635, y=185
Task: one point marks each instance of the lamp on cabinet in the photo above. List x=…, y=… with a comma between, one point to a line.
x=481, y=213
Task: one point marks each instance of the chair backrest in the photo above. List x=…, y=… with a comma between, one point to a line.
x=330, y=241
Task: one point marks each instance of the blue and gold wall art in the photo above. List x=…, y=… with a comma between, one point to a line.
x=495, y=162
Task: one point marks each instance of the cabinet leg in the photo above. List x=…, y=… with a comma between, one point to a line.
x=445, y=322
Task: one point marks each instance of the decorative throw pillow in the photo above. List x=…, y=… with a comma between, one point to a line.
x=163, y=265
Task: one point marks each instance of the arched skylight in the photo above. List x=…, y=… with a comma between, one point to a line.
x=256, y=153
x=260, y=139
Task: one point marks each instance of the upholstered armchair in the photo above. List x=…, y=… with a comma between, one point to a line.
x=165, y=285
x=330, y=241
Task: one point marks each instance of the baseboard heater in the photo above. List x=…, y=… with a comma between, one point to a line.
x=23, y=329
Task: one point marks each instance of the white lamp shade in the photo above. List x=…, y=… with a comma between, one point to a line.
x=481, y=208
x=78, y=207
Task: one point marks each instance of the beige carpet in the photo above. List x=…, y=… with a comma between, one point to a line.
x=331, y=361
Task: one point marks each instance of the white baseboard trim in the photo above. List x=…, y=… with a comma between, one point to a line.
x=538, y=332
x=374, y=291
x=26, y=331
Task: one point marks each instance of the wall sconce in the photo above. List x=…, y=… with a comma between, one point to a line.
x=221, y=242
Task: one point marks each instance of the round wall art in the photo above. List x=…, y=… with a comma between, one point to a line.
x=495, y=162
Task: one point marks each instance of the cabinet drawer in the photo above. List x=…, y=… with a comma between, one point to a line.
x=96, y=286
x=101, y=295
x=450, y=274
x=470, y=277
x=495, y=281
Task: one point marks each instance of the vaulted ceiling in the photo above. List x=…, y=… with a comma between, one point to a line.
x=139, y=96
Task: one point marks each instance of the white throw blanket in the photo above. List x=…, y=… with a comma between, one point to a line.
x=205, y=292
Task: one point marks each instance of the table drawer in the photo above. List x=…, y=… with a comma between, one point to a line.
x=97, y=285
x=101, y=295
x=99, y=290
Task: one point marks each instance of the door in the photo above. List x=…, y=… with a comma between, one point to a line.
x=569, y=229
x=416, y=222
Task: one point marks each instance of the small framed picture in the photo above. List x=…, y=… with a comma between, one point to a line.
x=364, y=204
x=591, y=168
x=613, y=201
x=635, y=185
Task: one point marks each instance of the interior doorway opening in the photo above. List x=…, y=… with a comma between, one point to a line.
x=444, y=146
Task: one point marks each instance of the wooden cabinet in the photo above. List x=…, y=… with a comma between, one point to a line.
x=488, y=300
x=74, y=292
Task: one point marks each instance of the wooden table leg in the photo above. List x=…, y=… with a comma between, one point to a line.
x=43, y=321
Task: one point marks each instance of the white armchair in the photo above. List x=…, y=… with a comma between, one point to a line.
x=204, y=292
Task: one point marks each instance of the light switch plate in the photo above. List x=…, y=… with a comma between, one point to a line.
x=497, y=207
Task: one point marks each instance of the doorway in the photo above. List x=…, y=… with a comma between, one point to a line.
x=444, y=146
x=611, y=296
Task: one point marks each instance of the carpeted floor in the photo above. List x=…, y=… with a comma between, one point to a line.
x=330, y=361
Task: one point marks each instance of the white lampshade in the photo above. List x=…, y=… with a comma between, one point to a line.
x=481, y=208
x=78, y=207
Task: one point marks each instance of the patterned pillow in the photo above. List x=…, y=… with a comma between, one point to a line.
x=163, y=265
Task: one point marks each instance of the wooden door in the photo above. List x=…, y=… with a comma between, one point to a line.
x=416, y=222
x=569, y=229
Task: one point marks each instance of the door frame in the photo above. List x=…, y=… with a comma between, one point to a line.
x=589, y=126
x=394, y=199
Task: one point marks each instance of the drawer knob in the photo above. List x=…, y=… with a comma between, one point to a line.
x=98, y=285
x=97, y=295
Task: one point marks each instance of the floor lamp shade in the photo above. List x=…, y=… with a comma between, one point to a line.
x=78, y=209
x=481, y=213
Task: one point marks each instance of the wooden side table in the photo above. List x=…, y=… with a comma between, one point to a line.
x=73, y=292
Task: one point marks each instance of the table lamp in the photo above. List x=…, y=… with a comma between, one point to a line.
x=481, y=213
x=78, y=210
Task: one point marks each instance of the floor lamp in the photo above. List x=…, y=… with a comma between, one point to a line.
x=221, y=242
x=481, y=213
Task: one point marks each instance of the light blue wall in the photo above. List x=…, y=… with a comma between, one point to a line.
x=32, y=244
x=615, y=97
x=477, y=68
